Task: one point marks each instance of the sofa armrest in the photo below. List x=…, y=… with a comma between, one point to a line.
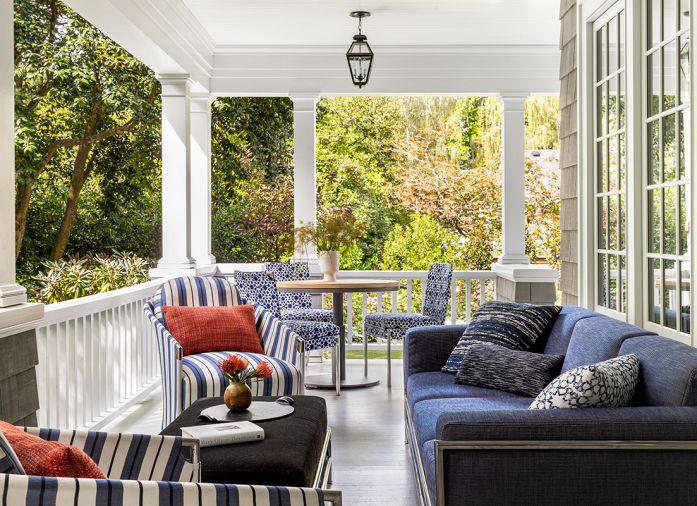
x=427, y=348
x=660, y=423
x=22, y=489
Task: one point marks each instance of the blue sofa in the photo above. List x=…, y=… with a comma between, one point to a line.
x=472, y=445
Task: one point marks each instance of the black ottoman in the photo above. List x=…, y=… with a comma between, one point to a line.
x=294, y=452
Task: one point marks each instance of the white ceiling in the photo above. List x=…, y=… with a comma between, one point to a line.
x=393, y=22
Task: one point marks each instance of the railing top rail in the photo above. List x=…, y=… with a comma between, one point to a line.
x=414, y=274
x=75, y=308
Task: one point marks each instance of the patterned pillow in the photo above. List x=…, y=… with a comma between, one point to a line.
x=606, y=384
x=9, y=463
x=520, y=372
x=514, y=326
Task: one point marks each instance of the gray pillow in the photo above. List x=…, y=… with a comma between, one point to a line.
x=606, y=384
x=520, y=372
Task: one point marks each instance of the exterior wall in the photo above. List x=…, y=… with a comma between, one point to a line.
x=568, y=147
x=19, y=398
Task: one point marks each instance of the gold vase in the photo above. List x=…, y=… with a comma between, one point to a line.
x=238, y=396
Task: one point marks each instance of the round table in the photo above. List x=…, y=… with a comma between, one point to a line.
x=338, y=289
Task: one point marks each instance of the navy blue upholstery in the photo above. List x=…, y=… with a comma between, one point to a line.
x=559, y=336
x=597, y=338
x=427, y=348
x=294, y=305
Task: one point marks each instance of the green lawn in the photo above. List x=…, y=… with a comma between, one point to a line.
x=380, y=354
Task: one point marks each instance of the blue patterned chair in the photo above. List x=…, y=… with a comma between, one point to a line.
x=296, y=306
x=143, y=470
x=188, y=378
x=260, y=287
x=391, y=326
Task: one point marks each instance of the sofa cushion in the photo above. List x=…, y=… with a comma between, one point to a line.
x=559, y=336
x=667, y=371
x=520, y=372
x=608, y=384
x=597, y=339
x=425, y=414
x=437, y=385
x=515, y=326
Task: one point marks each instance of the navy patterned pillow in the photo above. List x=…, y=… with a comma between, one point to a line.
x=514, y=326
x=520, y=372
x=9, y=463
x=607, y=384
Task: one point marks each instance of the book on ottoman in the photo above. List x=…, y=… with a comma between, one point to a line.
x=224, y=433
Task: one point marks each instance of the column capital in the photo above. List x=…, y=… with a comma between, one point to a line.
x=175, y=85
x=305, y=101
x=514, y=101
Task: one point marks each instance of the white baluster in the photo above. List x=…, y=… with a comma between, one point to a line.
x=453, y=301
x=379, y=302
x=410, y=283
x=482, y=291
x=395, y=309
x=468, y=299
x=349, y=318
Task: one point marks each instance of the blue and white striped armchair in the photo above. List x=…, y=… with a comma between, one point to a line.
x=186, y=379
x=144, y=470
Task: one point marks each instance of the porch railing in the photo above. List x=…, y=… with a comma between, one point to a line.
x=97, y=356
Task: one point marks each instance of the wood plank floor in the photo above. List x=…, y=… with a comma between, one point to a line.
x=371, y=461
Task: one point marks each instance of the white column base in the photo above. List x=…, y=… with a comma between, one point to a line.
x=514, y=259
x=12, y=294
x=20, y=318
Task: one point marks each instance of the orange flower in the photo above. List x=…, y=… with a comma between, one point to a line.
x=263, y=370
x=233, y=365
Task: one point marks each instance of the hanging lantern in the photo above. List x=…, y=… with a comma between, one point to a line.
x=359, y=54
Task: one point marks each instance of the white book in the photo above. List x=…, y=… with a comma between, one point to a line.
x=224, y=433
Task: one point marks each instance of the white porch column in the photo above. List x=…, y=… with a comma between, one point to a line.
x=513, y=180
x=201, y=180
x=304, y=174
x=10, y=292
x=176, y=178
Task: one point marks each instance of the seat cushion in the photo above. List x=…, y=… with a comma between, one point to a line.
x=597, y=339
x=312, y=315
x=437, y=385
x=394, y=325
x=425, y=414
x=559, y=336
x=223, y=328
x=317, y=335
x=202, y=378
x=667, y=371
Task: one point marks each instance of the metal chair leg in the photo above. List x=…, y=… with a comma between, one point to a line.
x=389, y=361
x=365, y=354
x=336, y=358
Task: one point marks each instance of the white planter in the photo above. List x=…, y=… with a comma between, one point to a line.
x=329, y=264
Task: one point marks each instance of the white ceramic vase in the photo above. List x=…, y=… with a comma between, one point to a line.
x=329, y=264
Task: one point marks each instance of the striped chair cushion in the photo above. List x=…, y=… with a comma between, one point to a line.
x=9, y=463
x=194, y=291
x=128, y=456
x=40, y=491
x=201, y=377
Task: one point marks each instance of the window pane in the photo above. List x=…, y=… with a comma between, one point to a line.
x=621, y=40
x=612, y=163
x=622, y=162
x=623, y=283
x=602, y=166
x=612, y=45
x=612, y=229
x=684, y=72
x=682, y=155
x=602, y=223
x=669, y=81
x=622, y=222
x=602, y=285
x=669, y=220
x=654, y=290
x=654, y=206
x=684, y=224
x=653, y=66
x=612, y=303
x=612, y=104
x=654, y=157
x=684, y=14
x=654, y=25
x=685, y=302
x=602, y=53
x=670, y=294
x=669, y=18
x=620, y=100
x=669, y=148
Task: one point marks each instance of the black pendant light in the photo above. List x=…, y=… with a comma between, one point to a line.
x=359, y=54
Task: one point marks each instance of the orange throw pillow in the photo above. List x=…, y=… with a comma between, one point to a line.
x=49, y=458
x=200, y=329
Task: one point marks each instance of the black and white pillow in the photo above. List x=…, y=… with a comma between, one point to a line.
x=606, y=384
x=9, y=463
x=514, y=326
x=520, y=372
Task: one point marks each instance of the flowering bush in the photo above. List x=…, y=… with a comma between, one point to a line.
x=236, y=368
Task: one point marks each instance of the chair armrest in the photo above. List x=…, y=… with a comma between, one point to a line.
x=428, y=348
x=171, y=354
x=133, y=456
x=277, y=339
x=22, y=489
x=660, y=423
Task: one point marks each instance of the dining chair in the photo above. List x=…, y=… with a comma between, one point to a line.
x=296, y=306
x=259, y=287
x=391, y=326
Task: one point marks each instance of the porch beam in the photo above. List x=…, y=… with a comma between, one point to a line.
x=513, y=179
x=201, y=179
x=305, y=169
x=176, y=178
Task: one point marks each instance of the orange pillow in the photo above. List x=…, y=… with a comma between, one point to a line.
x=49, y=458
x=200, y=329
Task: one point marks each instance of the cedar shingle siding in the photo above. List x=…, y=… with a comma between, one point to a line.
x=568, y=153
